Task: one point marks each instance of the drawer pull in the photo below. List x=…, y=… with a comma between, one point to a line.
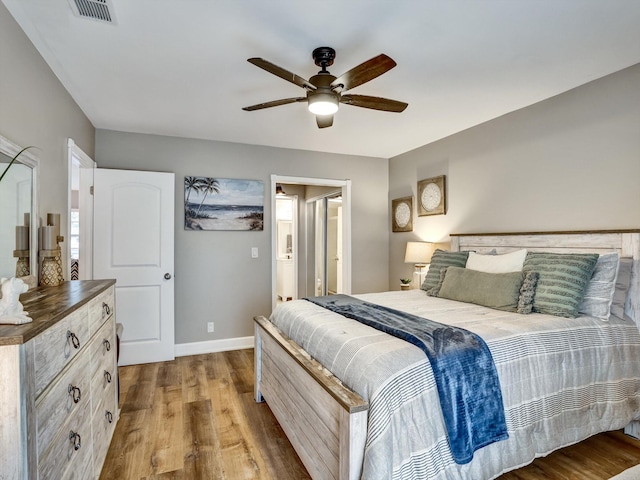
x=107, y=344
x=75, y=439
x=74, y=339
x=75, y=393
x=106, y=309
x=107, y=376
x=109, y=416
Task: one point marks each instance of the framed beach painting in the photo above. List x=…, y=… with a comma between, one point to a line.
x=223, y=204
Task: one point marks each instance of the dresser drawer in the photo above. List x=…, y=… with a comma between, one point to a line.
x=103, y=424
x=102, y=350
x=62, y=460
x=101, y=308
x=54, y=348
x=58, y=402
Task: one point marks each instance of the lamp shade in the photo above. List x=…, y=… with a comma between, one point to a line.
x=323, y=103
x=418, y=252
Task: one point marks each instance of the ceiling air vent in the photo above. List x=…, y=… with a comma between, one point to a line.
x=101, y=10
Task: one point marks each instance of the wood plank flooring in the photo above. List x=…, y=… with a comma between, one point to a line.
x=195, y=418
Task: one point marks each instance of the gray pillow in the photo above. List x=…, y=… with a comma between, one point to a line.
x=599, y=294
x=562, y=282
x=439, y=260
x=623, y=283
x=494, y=290
x=527, y=292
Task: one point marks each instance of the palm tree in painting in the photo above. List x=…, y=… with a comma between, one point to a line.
x=191, y=183
x=208, y=185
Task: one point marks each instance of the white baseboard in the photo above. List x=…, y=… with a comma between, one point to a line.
x=212, y=346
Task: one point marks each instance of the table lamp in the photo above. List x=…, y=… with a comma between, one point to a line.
x=419, y=253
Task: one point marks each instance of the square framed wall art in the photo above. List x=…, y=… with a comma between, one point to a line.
x=432, y=196
x=402, y=214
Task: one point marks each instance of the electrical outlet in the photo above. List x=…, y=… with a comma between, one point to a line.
x=210, y=327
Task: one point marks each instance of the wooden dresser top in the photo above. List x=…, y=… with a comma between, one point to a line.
x=48, y=305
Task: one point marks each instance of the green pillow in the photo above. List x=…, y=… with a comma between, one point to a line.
x=494, y=290
x=439, y=260
x=562, y=282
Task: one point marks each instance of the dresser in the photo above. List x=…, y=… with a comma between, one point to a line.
x=58, y=383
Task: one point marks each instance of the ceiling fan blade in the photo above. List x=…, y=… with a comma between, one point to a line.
x=274, y=103
x=281, y=72
x=324, y=121
x=375, y=103
x=364, y=72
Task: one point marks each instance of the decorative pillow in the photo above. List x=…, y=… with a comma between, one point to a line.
x=505, y=263
x=623, y=283
x=495, y=290
x=439, y=260
x=562, y=282
x=599, y=295
x=435, y=290
x=527, y=292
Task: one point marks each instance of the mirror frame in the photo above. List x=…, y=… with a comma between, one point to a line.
x=30, y=160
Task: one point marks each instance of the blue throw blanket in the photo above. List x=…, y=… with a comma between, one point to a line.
x=466, y=377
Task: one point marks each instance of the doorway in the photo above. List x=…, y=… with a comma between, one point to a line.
x=286, y=246
x=79, y=240
x=324, y=239
x=330, y=231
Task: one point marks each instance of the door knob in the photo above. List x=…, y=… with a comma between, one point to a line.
x=167, y=276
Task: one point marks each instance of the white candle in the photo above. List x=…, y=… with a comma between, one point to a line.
x=48, y=238
x=22, y=238
x=53, y=219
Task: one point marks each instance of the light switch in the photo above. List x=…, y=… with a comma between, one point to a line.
x=254, y=252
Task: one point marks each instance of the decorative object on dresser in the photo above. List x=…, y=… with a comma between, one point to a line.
x=11, y=310
x=419, y=253
x=58, y=377
x=402, y=214
x=50, y=252
x=432, y=197
x=21, y=252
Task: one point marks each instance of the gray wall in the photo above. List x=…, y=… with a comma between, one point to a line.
x=571, y=162
x=216, y=278
x=35, y=109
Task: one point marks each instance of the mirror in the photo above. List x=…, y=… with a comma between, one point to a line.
x=18, y=211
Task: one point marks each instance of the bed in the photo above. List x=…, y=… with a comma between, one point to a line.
x=358, y=403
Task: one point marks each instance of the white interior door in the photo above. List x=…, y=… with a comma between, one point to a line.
x=133, y=243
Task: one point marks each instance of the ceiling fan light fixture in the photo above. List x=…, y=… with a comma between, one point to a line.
x=323, y=104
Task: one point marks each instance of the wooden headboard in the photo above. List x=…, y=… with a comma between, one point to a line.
x=625, y=242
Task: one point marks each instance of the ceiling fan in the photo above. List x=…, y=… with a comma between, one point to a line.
x=325, y=91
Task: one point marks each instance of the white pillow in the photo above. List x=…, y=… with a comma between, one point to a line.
x=506, y=263
x=601, y=288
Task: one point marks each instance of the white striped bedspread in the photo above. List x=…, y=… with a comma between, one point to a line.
x=562, y=380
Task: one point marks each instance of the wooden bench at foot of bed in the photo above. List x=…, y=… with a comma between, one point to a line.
x=325, y=421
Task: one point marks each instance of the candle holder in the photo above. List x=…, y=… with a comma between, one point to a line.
x=51, y=267
x=50, y=252
x=22, y=252
x=22, y=265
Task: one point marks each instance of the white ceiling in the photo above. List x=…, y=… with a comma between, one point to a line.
x=178, y=67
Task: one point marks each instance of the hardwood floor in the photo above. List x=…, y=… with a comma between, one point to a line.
x=195, y=418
